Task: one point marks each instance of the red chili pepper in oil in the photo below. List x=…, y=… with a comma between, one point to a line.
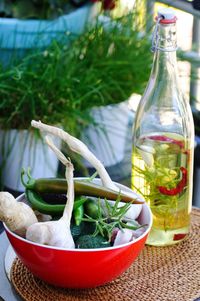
x=179, y=236
x=167, y=139
x=179, y=188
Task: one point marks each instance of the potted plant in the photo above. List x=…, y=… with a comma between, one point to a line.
x=24, y=26
x=67, y=86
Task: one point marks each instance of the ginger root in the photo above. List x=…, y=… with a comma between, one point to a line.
x=16, y=215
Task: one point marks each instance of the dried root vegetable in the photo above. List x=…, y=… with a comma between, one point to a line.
x=57, y=233
x=16, y=215
x=79, y=147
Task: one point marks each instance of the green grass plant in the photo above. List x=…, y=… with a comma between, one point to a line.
x=59, y=85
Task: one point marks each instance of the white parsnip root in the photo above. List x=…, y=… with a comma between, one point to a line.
x=57, y=233
x=16, y=215
x=79, y=147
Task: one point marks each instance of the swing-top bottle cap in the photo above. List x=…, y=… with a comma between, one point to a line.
x=166, y=16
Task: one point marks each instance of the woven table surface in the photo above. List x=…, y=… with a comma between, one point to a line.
x=159, y=274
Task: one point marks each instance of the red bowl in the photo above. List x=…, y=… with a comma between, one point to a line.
x=79, y=268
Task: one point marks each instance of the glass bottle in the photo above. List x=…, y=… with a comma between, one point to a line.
x=163, y=141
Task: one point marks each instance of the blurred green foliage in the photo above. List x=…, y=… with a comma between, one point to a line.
x=60, y=85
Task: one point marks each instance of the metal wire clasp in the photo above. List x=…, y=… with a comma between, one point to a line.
x=155, y=39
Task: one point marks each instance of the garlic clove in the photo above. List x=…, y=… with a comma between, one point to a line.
x=123, y=236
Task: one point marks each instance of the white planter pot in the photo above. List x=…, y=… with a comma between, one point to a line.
x=21, y=149
x=108, y=139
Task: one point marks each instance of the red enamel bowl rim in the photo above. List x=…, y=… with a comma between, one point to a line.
x=22, y=196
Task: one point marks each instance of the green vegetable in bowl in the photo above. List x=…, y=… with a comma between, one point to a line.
x=76, y=231
x=92, y=242
x=91, y=208
x=83, y=229
x=78, y=214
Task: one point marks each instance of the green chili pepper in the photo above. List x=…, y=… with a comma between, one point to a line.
x=78, y=214
x=82, y=187
x=37, y=203
x=79, y=201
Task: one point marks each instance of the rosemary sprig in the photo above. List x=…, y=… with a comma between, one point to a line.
x=111, y=216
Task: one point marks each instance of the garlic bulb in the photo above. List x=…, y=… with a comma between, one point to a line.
x=57, y=233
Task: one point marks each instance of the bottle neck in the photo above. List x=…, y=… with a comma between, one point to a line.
x=165, y=62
